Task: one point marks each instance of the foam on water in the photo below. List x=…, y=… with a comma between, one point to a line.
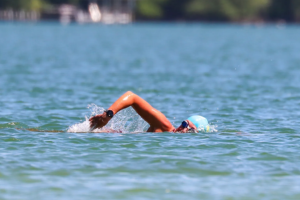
x=125, y=121
x=212, y=129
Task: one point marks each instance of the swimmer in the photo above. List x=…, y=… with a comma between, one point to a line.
x=157, y=121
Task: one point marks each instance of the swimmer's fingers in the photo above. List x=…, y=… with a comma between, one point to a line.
x=94, y=121
x=94, y=118
x=98, y=121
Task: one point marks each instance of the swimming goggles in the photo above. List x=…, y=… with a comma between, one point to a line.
x=185, y=124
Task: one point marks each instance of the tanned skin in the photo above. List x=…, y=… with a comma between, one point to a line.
x=157, y=121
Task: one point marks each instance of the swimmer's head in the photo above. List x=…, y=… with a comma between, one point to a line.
x=195, y=123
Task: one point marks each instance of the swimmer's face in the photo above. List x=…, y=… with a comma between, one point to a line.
x=182, y=129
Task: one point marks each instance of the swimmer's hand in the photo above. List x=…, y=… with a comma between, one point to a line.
x=98, y=121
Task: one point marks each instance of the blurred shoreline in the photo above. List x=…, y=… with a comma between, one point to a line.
x=278, y=24
x=128, y=11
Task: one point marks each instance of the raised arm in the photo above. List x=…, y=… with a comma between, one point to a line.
x=157, y=121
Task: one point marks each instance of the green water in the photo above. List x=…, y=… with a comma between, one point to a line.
x=243, y=79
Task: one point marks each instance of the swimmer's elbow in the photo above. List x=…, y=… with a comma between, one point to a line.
x=129, y=96
x=129, y=92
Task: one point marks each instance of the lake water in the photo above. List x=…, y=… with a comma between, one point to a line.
x=244, y=79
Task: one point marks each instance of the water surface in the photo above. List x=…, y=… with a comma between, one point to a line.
x=243, y=79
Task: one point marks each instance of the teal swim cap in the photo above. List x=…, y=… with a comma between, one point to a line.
x=200, y=122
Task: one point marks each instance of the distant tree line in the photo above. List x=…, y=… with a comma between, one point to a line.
x=38, y=5
x=219, y=10
x=204, y=10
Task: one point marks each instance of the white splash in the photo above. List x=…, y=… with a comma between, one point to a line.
x=125, y=121
x=213, y=128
